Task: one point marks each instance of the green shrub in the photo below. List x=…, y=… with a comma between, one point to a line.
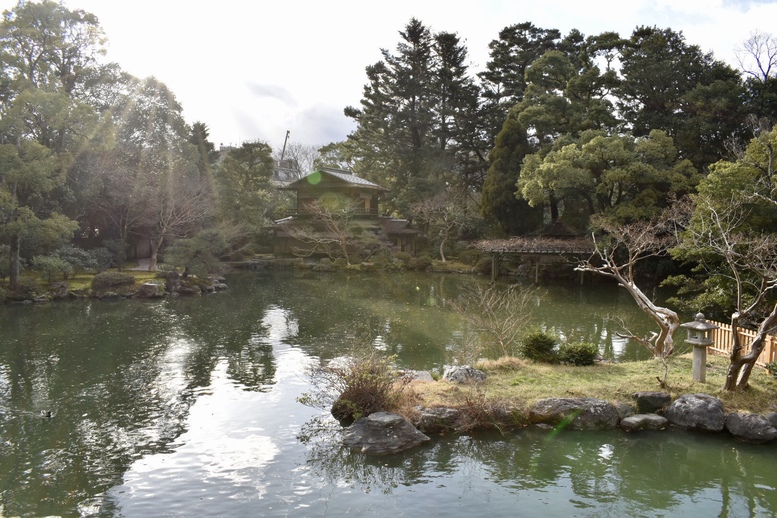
x=110, y=280
x=420, y=264
x=96, y=259
x=28, y=288
x=772, y=368
x=51, y=267
x=539, y=346
x=404, y=257
x=578, y=353
x=470, y=256
x=483, y=266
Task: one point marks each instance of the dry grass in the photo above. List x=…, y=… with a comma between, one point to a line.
x=523, y=383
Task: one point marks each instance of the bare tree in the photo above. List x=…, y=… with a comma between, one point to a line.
x=296, y=160
x=757, y=56
x=500, y=315
x=617, y=257
x=180, y=202
x=446, y=215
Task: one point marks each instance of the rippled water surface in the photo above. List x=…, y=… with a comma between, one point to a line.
x=187, y=407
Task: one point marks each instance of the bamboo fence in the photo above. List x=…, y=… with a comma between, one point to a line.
x=723, y=340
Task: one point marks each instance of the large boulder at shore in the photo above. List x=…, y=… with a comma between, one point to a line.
x=751, y=428
x=437, y=420
x=382, y=433
x=150, y=290
x=651, y=402
x=463, y=374
x=639, y=422
x=700, y=412
x=575, y=413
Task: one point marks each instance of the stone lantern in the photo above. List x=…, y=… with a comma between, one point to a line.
x=699, y=336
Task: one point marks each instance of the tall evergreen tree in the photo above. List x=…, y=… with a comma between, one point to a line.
x=415, y=127
x=504, y=80
x=670, y=85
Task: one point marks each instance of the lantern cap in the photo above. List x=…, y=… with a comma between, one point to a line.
x=699, y=324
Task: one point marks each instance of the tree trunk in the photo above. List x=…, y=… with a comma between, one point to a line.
x=740, y=367
x=553, y=202
x=666, y=319
x=442, y=249
x=156, y=243
x=13, y=257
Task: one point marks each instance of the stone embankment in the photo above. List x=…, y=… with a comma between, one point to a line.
x=168, y=285
x=390, y=433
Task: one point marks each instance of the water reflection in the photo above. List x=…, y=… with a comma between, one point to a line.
x=189, y=405
x=578, y=474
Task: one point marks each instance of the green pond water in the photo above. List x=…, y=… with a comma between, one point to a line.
x=188, y=407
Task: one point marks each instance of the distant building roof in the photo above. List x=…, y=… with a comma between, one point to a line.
x=340, y=174
x=397, y=226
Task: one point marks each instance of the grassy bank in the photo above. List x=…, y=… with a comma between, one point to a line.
x=518, y=384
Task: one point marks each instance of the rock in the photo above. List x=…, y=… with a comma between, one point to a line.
x=772, y=418
x=219, y=286
x=436, y=420
x=576, y=413
x=150, y=290
x=172, y=281
x=751, y=428
x=644, y=422
x=59, y=290
x=463, y=374
x=624, y=410
x=696, y=412
x=651, y=402
x=382, y=433
x=42, y=299
x=189, y=289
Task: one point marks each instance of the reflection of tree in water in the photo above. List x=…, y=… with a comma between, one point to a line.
x=409, y=314
x=395, y=311
x=119, y=378
x=97, y=367
x=231, y=328
x=658, y=471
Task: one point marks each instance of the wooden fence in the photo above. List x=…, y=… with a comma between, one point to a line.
x=724, y=342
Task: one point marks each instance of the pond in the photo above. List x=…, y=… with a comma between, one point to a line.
x=187, y=407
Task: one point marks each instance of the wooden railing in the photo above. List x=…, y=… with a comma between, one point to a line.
x=723, y=339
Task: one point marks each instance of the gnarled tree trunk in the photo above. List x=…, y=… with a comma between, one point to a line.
x=740, y=366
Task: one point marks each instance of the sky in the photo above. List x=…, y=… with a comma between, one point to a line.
x=253, y=70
